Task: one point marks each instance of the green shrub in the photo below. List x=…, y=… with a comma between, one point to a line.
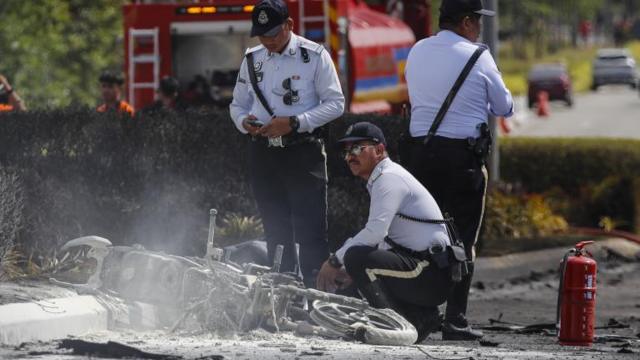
x=236, y=228
x=152, y=180
x=585, y=180
x=539, y=164
x=514, y=221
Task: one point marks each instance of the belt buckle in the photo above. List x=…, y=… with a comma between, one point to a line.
x=276, y=142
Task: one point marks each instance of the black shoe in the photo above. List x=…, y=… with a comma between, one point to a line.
x=430, y=323
x=458, y=329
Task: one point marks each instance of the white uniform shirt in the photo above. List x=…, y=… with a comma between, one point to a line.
x=320, y=97
x=433, y=66
x=394, y=190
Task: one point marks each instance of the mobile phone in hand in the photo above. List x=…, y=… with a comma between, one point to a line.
x=255, y=123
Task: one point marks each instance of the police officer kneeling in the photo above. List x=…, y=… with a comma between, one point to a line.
x=403, y=258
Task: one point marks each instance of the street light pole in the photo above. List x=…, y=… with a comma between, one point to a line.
x=490, y=37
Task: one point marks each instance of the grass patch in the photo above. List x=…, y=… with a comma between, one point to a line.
x=634, y=47
x=516, y=82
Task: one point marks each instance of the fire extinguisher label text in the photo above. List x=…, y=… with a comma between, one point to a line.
x=588, y=283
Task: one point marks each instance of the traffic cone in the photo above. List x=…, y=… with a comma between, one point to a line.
x=543, y=103
x=505, y=127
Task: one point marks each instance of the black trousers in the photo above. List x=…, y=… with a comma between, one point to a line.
x=290, y=187
x=405, y=279
x=457, y=181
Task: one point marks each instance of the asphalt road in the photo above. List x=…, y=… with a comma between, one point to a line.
x=612, y=111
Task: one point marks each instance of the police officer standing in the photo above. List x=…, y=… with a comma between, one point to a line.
x=402, y=258
x=448, y=158
x=287, y=88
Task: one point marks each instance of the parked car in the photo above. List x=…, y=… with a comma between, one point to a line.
x=614, y=66
x=552, y=78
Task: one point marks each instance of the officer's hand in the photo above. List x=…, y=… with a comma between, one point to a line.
x=278, y=126
x=326, y=280
x=330, y=279
x=252, y=130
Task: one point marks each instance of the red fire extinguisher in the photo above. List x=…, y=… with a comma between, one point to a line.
x=576, y=309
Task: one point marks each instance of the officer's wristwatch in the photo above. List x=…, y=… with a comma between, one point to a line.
x=294, y=123
x=334, y=261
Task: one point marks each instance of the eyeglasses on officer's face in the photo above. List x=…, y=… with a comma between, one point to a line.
x=355, y=149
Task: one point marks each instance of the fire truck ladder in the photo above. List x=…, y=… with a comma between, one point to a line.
x=321, y=18
x=152, y=58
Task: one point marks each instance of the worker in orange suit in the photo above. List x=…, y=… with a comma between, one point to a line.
x=111, y=89
x=9, y=98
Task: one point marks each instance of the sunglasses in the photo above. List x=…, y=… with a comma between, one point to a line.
x=354, y=150
x=291, y=95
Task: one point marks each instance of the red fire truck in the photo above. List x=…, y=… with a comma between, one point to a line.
x=201, y=43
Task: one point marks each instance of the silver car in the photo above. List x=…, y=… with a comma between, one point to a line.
x=614, y=66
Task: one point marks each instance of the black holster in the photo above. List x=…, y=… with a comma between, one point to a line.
x=481, y=147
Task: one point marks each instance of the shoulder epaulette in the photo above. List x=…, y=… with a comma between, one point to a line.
x=376, y=175
x=310, y=45
x=254, y=49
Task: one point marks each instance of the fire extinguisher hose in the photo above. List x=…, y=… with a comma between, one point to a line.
x=563, y=267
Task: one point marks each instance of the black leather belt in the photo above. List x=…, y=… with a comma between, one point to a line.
x=284, y=141
x=445, y=142
x=287, y=140
x=436, y=254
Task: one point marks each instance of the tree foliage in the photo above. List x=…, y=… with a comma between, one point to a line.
x=539, y=22
x=53, y=50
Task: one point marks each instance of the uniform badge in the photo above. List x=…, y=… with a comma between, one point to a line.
x=292, y=51
x=294, y=97
x=295, y=77
x=263, y=18
x=349, y=130
x=257, y=66
x=259, y=76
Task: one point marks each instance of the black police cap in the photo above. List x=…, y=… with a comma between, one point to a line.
x=169, y=85
x=363, y=131
x=111, y=77
x=267, y=16
x=452, y=8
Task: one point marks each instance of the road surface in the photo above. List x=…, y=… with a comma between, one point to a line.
x=612, y=111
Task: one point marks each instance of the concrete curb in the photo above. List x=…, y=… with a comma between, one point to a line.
x=501, y=268
x=51, y=319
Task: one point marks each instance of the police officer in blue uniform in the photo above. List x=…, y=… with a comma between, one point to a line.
x=451, y=164
x=287, y=89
